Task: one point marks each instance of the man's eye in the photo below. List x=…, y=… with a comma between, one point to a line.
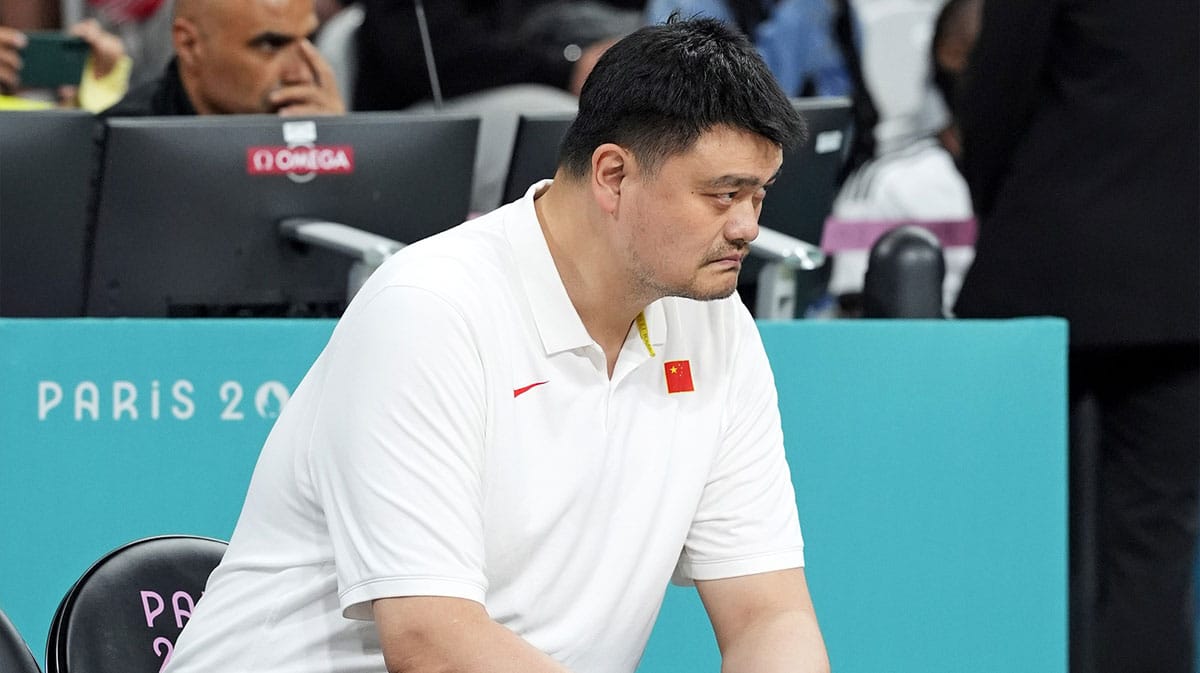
x=270, y=46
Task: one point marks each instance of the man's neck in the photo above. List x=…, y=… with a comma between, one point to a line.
x=591, y=270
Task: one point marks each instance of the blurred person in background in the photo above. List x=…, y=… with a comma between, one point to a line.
x=479, y=46
x=144, y=27
x=1081, y=147
x=795, y=37
x=494, y=60
x=240, y=57
x=106, y=73
x=917, y=181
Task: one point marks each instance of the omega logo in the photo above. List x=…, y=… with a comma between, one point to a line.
x=302, y=159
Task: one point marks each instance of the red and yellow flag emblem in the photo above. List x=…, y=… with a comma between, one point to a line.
x=679, y=376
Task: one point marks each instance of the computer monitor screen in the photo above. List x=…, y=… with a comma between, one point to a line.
x=802, y=197
x=535, y=150
x=188, y=214
x=46, y=162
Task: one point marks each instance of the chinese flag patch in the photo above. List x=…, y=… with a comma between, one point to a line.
x=679, y=376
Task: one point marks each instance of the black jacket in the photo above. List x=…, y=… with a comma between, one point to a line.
x=1082, y=152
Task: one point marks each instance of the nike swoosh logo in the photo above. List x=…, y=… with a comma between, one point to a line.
x=517, y=392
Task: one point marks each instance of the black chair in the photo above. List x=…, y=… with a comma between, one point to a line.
x=124, y=614
x=15, y=656
x=904, y=275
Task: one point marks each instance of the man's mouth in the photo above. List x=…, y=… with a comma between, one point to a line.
x=735, y=257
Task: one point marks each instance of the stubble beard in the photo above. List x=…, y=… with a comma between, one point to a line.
x=646, y=282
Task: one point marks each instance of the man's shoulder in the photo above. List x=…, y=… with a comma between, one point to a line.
x=479, y=242
x=462, y=264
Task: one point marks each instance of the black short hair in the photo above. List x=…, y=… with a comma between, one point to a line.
x=658, y=90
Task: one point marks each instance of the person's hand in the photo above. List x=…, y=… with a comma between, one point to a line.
x=587, y=61
x=11, y=42
x=319, y=97
x=107, y=49
x=951, y=139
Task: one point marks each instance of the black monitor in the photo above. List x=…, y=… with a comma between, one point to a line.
x=535, y=150
x=802, y=197
x=189, y=208
x=46, y=160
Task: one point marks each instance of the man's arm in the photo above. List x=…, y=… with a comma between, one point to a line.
x=431, y=633
x=765, y=623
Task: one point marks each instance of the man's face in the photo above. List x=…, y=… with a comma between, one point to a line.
x=245, y=49
x=692, y=220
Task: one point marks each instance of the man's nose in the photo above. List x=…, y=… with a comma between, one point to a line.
x=297, y=69
x=743, y=222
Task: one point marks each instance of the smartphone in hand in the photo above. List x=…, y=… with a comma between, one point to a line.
x=52, y=59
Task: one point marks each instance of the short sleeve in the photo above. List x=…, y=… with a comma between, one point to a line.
x=746, y=522
x=397, y=448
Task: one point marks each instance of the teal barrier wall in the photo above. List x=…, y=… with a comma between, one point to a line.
x=118, y=429
x=928, y=458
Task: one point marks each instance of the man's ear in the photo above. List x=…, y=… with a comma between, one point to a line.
x=610, y=166
x=186, y=37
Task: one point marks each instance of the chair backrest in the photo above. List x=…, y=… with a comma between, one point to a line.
x=124, y=614
x=904, y=277
x=15, y=656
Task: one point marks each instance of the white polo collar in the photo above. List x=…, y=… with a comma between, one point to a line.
x=554, y=315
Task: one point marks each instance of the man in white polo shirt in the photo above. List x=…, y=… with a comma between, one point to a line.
x=524, y=427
